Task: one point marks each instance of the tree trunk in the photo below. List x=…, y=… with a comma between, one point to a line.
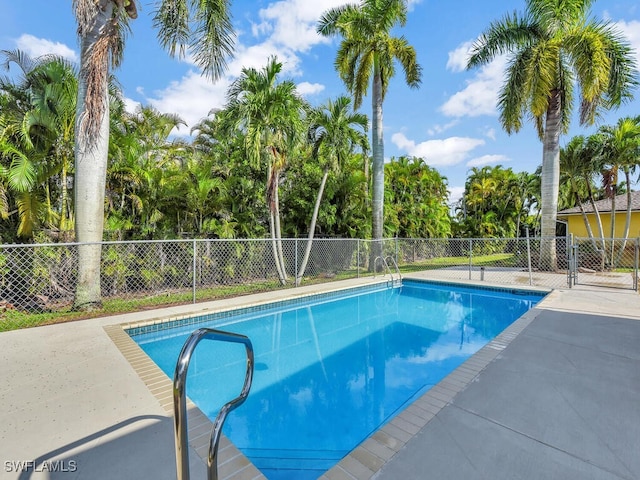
x=63, y=225
x=585, y=218
x=612, y=222
x=274, y=248
x=627, y=222
x=550, y=184
x=91, y=150
x=378, y=165
x=274, y=223
x=278, y=230
x=598, y=220
x=312, y=228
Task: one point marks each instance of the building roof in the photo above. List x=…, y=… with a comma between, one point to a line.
x=604, y=206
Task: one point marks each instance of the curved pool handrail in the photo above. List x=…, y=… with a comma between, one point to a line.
x=180, y=400
x=395, y=265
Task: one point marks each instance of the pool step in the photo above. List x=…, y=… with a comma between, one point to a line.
x=284, y=459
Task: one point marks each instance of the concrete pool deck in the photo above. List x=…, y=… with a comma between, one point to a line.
x=553, y=397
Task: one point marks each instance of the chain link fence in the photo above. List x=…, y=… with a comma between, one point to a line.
x=139, y=274
x=605, y=262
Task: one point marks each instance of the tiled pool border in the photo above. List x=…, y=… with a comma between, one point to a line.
x=138, y=328
x=374, y=452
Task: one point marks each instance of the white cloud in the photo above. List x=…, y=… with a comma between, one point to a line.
x=308, y=89
x=256, y=56
x=35, y=47
x=286, y=28
x=458, y=58
x=480, y=96
x=490, y=133
x=487, y=160
x=412, y=3
x=449, y=151
x=437, y=129
x=191, y=98
x=455, y=194
x=631, y=30
x=292, y=23
x=130, y=105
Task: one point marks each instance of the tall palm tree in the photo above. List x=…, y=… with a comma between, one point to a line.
x=335, y=132
x=271, y=113
x=367, y=53
x=554, y=47
x=204, y=28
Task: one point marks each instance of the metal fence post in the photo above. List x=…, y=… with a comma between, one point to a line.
x=572, y=260
x=295, y=262
x=635, y=271
x=529, y=256
x=358, y=258
x=470, y=256
x=396, y=259
x=195, y=248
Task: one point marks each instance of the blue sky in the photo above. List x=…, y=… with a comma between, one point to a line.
x=451, y=120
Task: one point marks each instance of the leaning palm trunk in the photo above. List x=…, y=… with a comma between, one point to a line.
x=378, y=166
x=274, y=223
x=91, y=148
x=585, y=219
x=312, y=228
x=550, y=184
x=627, y=222
x=613, y=230
x=279, y=234
x=596, y=213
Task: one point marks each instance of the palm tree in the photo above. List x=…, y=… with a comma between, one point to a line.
x=368, y=52
x=620, y=150
x=555, y=46
x=573, y=163
x=271, y=113
x=36, y=138
x=202, y=27
x=335, y=132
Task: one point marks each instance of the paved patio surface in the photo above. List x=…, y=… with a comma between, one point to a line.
x=559, y=401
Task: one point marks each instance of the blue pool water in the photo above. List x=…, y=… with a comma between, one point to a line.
x=329, y=373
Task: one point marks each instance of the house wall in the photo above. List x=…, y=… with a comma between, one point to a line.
x=577, y=227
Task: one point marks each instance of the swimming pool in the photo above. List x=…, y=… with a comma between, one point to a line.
x=332, y=370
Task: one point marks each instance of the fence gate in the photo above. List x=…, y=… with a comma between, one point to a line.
x=611, y=263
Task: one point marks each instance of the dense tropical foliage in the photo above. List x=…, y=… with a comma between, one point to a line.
x=497, y=203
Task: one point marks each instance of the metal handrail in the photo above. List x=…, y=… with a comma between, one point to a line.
x=180, y=400
x=384, y=264
x=395, y=264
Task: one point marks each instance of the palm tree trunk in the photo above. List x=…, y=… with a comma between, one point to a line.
x=585, y=219
x=63, y=225
x=378, y=165
x=312, y=228
x=612, y=222
x=278, y=230
x=550, y=184
x=627, y=222
x=596, y=212
x=274, y=248
x=91, y=149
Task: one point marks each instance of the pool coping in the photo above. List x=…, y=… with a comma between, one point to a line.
x=365, y=460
